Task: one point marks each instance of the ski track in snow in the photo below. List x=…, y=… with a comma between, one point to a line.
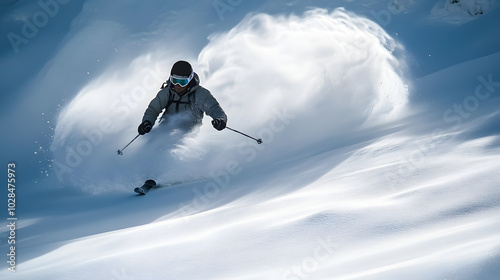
x=364, y=173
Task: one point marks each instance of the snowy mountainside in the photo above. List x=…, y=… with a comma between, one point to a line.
x=380, y=155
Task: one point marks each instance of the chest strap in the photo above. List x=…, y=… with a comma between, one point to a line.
x=191, y=100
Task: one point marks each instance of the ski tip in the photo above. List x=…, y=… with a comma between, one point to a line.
x=150, y=182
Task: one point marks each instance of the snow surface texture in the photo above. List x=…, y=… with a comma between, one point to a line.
x=367, y=171
x=460, y=11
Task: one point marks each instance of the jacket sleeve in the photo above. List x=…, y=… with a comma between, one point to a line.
x=156, y=106
x=208, y=104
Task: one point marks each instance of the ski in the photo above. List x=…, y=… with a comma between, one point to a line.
x=151, y=184
x=148, y=185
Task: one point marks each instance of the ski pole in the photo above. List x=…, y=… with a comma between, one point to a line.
x=259, y=141
x=120, y=152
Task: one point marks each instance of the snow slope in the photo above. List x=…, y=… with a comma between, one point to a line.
x=380, y=157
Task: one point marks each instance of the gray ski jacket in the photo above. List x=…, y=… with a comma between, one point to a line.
x=197, y=100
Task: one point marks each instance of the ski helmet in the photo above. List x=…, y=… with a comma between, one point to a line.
x=181, y=68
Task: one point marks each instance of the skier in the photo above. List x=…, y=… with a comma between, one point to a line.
x=182, y=93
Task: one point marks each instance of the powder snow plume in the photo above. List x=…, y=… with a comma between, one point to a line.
x=320, y=77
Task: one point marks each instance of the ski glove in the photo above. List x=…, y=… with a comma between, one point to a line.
x=145, y=127
x=219, y=124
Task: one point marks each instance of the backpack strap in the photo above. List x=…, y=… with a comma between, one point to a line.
x=190, y=102
x=170, y=100
x=192, y=99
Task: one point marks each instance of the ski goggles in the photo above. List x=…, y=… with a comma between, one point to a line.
x=180, y=80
